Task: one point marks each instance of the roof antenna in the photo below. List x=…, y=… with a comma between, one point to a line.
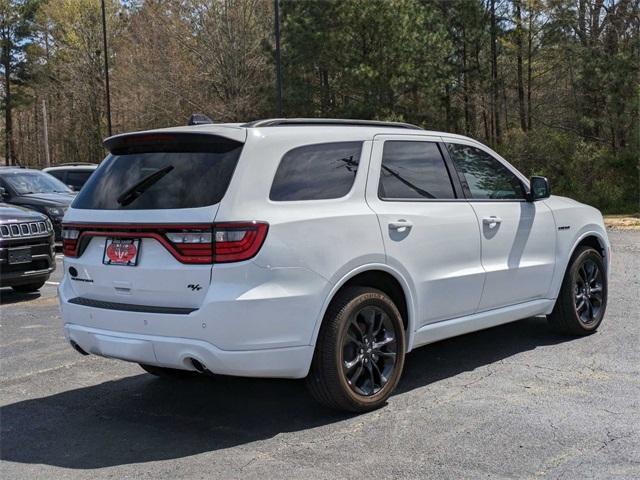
x=199, y=119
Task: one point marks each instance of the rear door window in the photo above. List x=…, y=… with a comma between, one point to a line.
x=185, y=171
x=316, y=172
x=413, y=171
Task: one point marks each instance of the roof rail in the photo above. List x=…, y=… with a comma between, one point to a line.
x=73, y=164
x=281, y=122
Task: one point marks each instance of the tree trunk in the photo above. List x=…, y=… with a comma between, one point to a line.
x=505, y=107
x=324, y=92
x=494, y=75
x=9, y=153
x=521, y=110
x=36, y=132
x=465, y=83
x=487, y=129
x=529, y=67
x=18, y=150
x=582, y=21
x=447, y=107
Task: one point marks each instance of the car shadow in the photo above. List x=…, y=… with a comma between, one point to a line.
x=451, y=357
x=142, y=418
x=9, y=296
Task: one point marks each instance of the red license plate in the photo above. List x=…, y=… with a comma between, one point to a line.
x=121, y=251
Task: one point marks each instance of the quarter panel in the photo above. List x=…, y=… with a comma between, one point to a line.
x=328, y=237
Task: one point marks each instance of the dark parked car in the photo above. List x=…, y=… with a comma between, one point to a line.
x=73, y=175
x=26, y=248
x=38, y=191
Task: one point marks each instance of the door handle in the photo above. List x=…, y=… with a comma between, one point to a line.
x=400, y=225
x=492, y=220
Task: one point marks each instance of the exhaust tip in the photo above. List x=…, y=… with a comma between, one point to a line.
x=77, y=348
x=198, y=366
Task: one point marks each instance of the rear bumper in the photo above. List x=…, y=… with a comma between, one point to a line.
x=250, y=321
x=172, y=352
x=253, y=322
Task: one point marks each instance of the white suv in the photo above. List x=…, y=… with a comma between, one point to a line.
x=324, y=249
x=73, y=175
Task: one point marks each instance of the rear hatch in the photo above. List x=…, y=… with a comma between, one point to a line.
x=141, y=231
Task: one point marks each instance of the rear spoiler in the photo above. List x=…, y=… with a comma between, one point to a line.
x=170, y=141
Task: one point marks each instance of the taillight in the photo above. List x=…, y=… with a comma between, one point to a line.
x=70, y=241
x=191, y=244
x=234, y=242
x=224, y=243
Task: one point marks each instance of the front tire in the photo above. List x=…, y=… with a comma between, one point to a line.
x=28, y=287
x=582, y=302
x=360, y=351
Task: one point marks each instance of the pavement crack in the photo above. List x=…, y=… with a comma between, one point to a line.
x=247, y=464
x=479, y=379
x=612, y=438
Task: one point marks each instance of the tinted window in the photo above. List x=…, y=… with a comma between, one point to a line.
x=77, y=178
x=59, y=174
x=485, y=175
x=317, y=172
x=413, y=170
x=25, y=182
x=192, y=173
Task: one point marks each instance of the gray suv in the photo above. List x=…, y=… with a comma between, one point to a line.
x=38, y=191
x=26, y=248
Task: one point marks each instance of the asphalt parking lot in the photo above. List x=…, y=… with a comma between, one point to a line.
x=516, y=401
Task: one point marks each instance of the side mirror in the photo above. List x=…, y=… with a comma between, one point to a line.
x=3, y=193
x=539, y=189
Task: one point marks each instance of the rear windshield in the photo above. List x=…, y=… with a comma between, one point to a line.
x=144, y=173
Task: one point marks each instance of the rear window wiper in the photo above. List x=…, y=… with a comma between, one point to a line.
x=129, y=195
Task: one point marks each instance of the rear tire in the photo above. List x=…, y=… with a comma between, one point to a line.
x=163, y=372
x=359, y=353
x=581, y=304
x=28, y=287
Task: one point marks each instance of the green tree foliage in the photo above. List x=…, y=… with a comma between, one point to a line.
x=72, y=78
x=364, y=59
x=552, y=85
x=16, y=33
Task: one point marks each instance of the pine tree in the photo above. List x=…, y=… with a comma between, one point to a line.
x=17, y=30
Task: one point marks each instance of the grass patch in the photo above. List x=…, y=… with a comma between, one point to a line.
x=622, y=222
